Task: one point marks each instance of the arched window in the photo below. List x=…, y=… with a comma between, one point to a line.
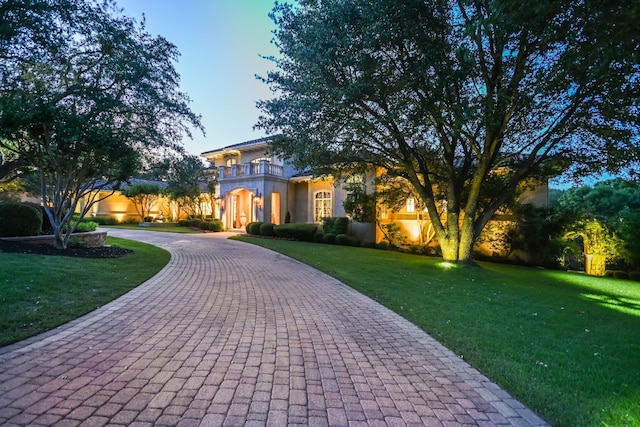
x=322, y=205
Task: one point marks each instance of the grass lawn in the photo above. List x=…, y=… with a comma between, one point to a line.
x=565, y=344
x=39, y=292
x=168, y=229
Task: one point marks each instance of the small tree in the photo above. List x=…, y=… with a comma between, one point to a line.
x=600, y=243
x=185, y=174
x=358, y=205
x=143, y=195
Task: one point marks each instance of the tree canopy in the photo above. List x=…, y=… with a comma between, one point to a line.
x=84, y=94
x=463, y=100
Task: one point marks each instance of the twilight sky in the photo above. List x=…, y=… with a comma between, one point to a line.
x=220, y=42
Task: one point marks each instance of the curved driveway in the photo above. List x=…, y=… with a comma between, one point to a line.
x=233, y=334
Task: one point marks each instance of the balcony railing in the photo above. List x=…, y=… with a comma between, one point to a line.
x=249, y=169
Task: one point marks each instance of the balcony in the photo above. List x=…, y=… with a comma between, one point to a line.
x=247, y=170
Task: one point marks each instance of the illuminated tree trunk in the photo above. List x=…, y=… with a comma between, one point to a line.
x=595, y=265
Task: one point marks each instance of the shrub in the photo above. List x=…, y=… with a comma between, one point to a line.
x=634, y=275
x=183, y=223
x=382, y=245
x=77, y=243
x=368, y=244
x=335, y=225
x=302, y=232
x=202, y=225
x=609, y=273
x=329, y=238
x=104, y=220
x=266, y=229
x=619, y=274
x=343, y=239
x=215, y=225
x=86, y=226
x=131, y=221
x=318, y=237
x=254, y=228
x=148, y=219
x=287, y=218
x=19, y=219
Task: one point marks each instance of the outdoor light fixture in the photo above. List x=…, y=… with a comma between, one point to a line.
x=220, y=202
x=257, y=200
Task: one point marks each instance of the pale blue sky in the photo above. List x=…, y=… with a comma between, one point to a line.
x=220, y=42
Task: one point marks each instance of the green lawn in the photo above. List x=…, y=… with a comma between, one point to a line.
x=565, y=344
x=39, y=292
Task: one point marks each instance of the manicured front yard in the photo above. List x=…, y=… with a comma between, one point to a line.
x=39, y=292
x=565, y=344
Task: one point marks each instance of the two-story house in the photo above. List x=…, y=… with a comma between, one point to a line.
x=256, y=186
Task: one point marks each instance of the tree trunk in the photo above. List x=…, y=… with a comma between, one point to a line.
x=449, y=248
x=595, y=265
x=59, y=241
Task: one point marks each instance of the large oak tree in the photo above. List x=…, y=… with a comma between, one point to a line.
x=85, y=93
x=464, y=100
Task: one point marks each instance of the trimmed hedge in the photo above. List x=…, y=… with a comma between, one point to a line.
x=329, y=238
x=343, y=239
x=216, y=225
x=86, y=226
x=254, y=228
x=619, y=274
x=634, y=275
x=19, y=219
x=302, y=232
x=103, y=220
x=266, y=229
x=335, y=225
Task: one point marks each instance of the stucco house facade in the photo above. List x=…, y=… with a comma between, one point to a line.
x=256, y=186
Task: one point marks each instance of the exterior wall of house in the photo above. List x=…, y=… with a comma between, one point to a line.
x=298, y=202
x=123, y=209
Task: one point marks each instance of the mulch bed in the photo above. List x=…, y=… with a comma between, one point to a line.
x=101, y=252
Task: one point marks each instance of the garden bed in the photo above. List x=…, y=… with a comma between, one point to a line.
x=91, y=239
x=158, y=224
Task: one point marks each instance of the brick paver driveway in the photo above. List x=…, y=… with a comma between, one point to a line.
x=232, y=334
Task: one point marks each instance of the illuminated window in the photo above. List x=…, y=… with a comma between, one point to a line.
x=231, y=161
x=411, y=205
x=322, y=205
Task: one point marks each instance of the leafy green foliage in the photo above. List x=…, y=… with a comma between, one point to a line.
x=302, y=232
x=358, y=205
x=254, y=227
x=81, y=104
x=606, y=217
x=19, y=219
x=266, y=229
x=335, y=225
x=143, y=195
x=463, y=101
x=186, y=176
x=86, y=227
